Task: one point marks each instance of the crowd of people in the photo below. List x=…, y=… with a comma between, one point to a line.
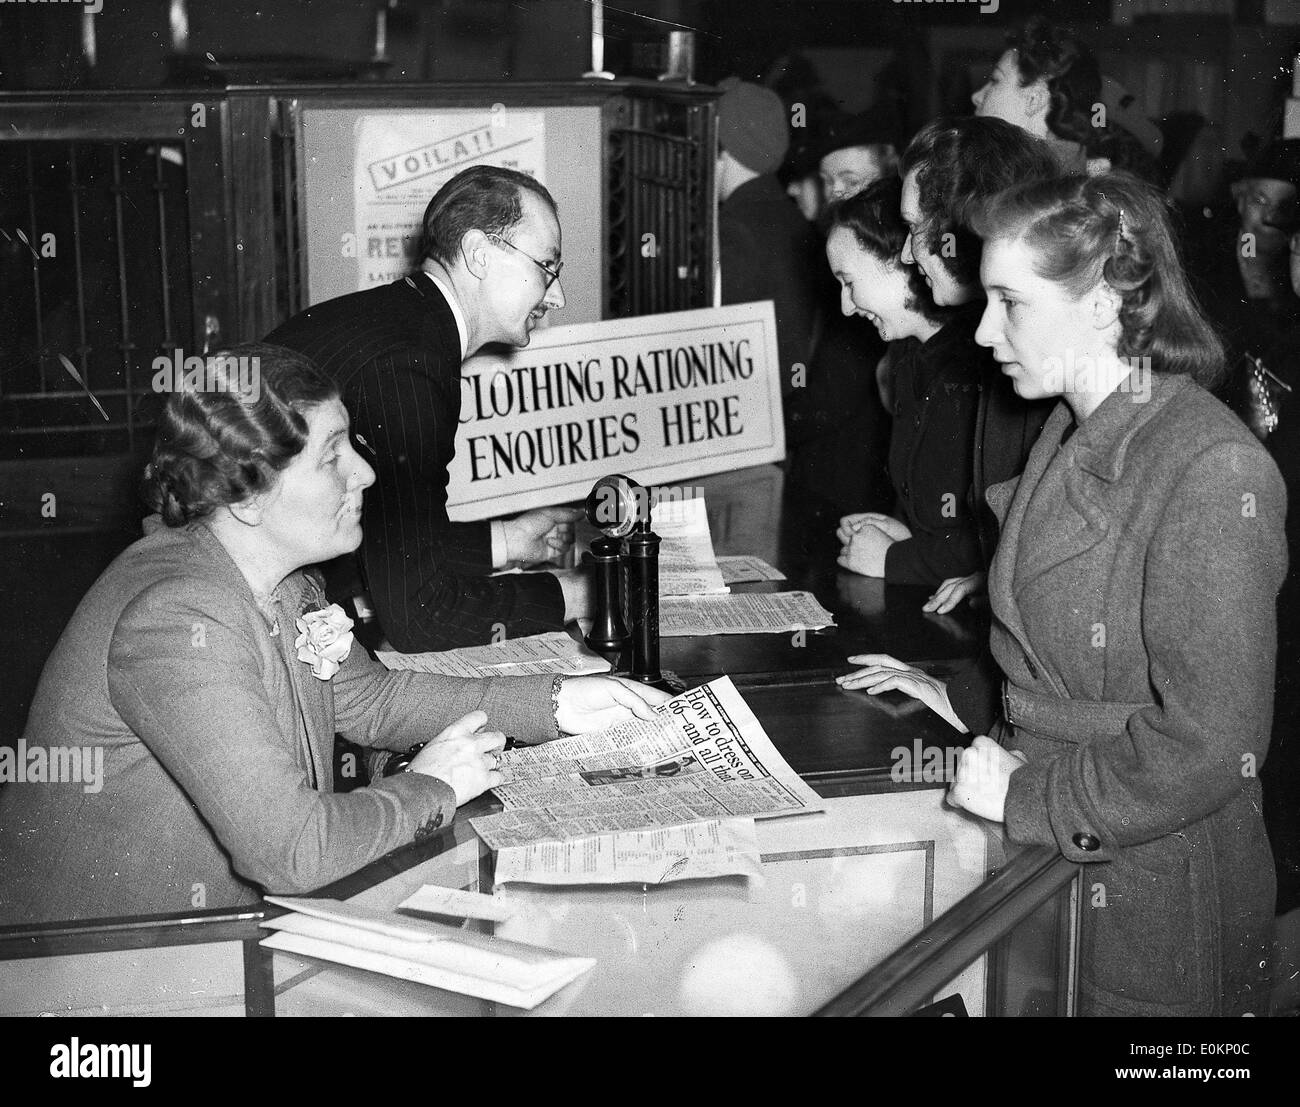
x=1060, y=453
x=1029, y=423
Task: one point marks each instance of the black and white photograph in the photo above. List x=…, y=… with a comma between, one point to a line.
x=675, y=508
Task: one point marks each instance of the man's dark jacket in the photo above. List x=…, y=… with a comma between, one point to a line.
x=395, y=352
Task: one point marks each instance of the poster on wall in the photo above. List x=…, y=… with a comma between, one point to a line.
x=658, y=397
x=402, y=159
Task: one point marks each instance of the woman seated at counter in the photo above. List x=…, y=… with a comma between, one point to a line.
x=205, y=677
x=1133, y=594
x=934, y=371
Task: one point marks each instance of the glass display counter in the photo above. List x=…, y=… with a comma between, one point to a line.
x=888, y=903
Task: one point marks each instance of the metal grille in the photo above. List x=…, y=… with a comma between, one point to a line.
x=94, y=267
x=290, y=283
x=658, y=186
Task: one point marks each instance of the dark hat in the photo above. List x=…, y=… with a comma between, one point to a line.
x=752, y=125
x=1278, y=161
x=873, y=127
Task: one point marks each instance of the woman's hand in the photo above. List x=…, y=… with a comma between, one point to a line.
x=865, y=551
x=852, y=524
x=883, y=673
x=465, y=756
x=590, y=703
x=983, y=775
x=953, y=590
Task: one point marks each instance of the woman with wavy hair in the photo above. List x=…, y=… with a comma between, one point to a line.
x=1133, y=596
x=200, y=682
x=1046, y=82
x=949, y=168
x=932, y=381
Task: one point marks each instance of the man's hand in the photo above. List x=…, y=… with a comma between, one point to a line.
x=465, y=756
x=537, y=536
x=590, y=703
x=865, y=551
x=983, y=775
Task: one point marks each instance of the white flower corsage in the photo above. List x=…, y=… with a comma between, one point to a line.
x=325, y=640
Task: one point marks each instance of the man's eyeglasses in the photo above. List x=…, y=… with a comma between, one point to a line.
x=552, y=275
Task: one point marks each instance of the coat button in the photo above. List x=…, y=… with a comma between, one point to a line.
x=1086, y=842
x=907, y=490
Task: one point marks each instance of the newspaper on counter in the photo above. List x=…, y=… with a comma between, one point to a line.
x=705, y=757
x=727, y=847
x=537, y=654
x=743, y=569
x=741, y=613
x=687, y=566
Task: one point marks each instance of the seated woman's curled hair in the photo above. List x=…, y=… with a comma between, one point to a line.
x=221, y=444
x=201, y=681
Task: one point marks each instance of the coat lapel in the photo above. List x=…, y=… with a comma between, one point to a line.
x=1075, y=489
x=313, y=694
x=1012, y=516
x=1066, y=494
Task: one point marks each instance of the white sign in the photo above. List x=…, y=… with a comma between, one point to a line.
x=403, y=158
x=661, y=398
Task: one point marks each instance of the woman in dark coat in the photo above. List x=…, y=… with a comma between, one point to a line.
x=1133, y=593
x=935, y=370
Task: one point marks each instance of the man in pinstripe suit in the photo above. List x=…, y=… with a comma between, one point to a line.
x=489, y=272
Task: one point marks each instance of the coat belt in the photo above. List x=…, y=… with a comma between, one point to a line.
x=1064, y=719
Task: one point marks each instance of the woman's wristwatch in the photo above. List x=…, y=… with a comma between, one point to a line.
x=400, y=762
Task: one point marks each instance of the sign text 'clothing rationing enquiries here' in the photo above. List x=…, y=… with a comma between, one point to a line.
x=661, y=398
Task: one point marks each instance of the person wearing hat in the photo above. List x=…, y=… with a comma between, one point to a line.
x=769, y=251
x=859, y=150
x=765, y=244
x=766, y=247
x=1243, y=279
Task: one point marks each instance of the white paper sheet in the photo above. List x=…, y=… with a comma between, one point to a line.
x=534, y=655
x=437, y=900
x=741, y=613
x=717, y=848
x=421, y=950
x=745, y=569
x=687, y=566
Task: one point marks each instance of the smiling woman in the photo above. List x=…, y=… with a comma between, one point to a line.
x=934, y=372
x=216, y=720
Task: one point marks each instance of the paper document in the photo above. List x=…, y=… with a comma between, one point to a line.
x=741, y=613
x=715, y=848
x=705, y=757
x=433, y=899
x=537, y=654
x=687, y=566
x=744, y=569
x=424, y=951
